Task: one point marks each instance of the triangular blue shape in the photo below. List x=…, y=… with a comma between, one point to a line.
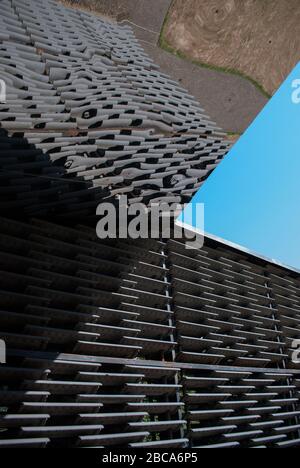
x=252, y=199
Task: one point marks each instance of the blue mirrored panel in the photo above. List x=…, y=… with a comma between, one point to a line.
x=252, y=199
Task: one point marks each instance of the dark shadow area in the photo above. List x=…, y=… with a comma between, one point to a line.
x=32, y=185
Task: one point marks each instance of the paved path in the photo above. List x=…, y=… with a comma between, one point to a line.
x=233, y=102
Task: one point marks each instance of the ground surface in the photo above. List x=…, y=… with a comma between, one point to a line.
x=230, y=100
x=255, y=37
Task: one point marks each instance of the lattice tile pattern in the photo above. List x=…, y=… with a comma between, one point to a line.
x=88, y=116
x=143, y=344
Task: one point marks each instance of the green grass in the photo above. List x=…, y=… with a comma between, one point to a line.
x=163, y=44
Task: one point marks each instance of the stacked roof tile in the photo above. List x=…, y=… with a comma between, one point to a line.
x=124, y=344
x=107, y=347
x=87, y=111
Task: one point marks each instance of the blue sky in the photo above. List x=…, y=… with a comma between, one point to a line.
x=253, y=198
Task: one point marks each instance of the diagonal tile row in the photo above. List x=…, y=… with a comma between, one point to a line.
x=229, y=408
x=85, y=104
x=233, y=311
x=118, y=343
x=157, y=299
x=63, y=292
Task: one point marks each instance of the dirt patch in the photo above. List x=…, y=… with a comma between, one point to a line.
x=111, y=8
x=146, y=17
x=146, y=13
x=258, y=38
x=228, y=99
x=233, y=137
